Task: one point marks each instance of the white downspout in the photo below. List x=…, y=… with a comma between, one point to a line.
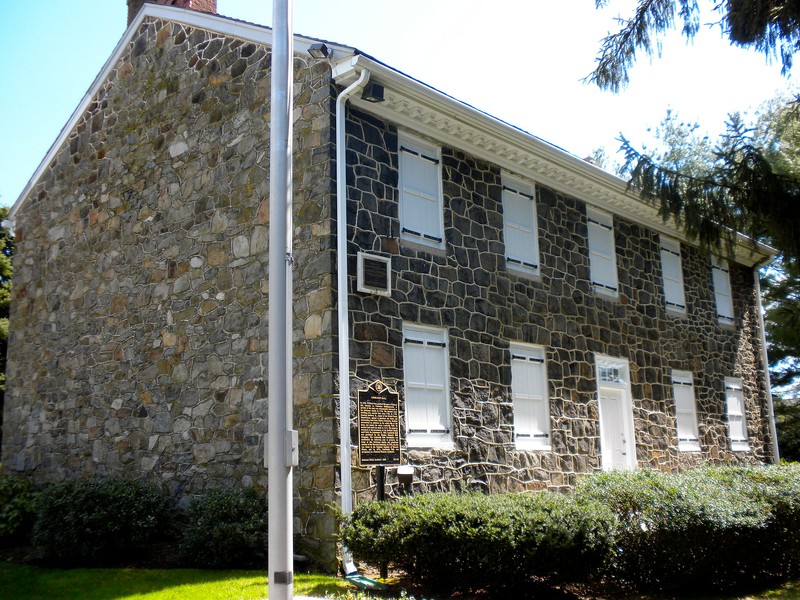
x=776, y=457
x=342, y=307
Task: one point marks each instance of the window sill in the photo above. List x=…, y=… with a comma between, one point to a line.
x=533, y=447
x=605, y=293
x=521, y=271
x=429, y=441
x=678, y=313
x=740, y=447
x=689, y=446
x=421, y=245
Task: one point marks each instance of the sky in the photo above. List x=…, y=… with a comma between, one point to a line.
x=521, y=61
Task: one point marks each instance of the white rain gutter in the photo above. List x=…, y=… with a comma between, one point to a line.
x=773, y=432
x=345, y=452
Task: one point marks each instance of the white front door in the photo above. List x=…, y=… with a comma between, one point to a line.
x=616, y=437
x=617, y=442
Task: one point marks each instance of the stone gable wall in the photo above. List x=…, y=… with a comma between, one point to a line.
x=139, y=320
x=468, y=290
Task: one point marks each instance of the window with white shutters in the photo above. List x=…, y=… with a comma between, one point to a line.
x=420, y=182
x=734, y=406
x=602, y=255
x=721, y=280
x=529, y=397
x=425, y=360
x=672, y=274
x=685, y=410
x=520, y=227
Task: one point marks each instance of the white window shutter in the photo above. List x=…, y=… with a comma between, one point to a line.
x=672, y=274
x=529, y=397
x=685, y=410
x=426, y=372
x=602, y=254
x=421, y=207
x=520, y=225
x=722, y=290
x=734, y=403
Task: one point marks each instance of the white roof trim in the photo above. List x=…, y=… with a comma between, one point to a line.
x=218, y=24
x=418, y=107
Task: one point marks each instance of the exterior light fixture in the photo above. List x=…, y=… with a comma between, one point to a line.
x=373, y=92
x=319, y=50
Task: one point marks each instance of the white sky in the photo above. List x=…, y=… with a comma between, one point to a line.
x=521, y=61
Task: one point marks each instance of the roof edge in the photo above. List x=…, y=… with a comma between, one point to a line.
x=244, y=30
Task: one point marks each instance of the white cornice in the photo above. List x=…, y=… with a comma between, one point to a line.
x=413, y=105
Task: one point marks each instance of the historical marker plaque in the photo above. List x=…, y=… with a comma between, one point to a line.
x=378, y=425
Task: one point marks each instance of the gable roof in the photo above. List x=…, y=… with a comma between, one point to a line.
x=412, y=104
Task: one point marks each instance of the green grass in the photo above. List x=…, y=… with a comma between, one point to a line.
x=32, y=583
x=22, y=582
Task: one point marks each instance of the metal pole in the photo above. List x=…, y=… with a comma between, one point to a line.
x=282, y=439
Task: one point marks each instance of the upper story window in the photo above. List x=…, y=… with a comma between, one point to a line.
x=420, y=181
x=734, y=406
x=529, y=397
x=520, y=226
x=685, y=410
x=426, y=372
x=672, y=274
x=721, y=279
x=602, y=253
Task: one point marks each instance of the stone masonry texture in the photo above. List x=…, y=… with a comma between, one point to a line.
x=468, y=290
x=140, y=317
x=138, y=332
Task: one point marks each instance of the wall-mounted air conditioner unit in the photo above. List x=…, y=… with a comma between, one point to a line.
x=374, y=274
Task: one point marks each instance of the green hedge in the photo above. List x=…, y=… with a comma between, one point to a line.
x=17, y=509
x=473, y=541
x=709, y=529
x=226, y=528
x=97, y=522
x=706, y=529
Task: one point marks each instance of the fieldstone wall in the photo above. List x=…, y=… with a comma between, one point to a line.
x=468, y=290
x=139, y=320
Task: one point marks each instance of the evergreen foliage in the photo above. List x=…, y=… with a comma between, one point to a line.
x=6, y=252
x=97, y=521
x=226, y=528
x=769, y=26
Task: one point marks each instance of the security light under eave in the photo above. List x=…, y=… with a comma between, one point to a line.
x=319, y=50
x=373, y=92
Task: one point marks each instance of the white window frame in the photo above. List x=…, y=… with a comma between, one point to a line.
x=521, y=234
x=735, y=411
x=602, y=251
x=427, y=391
x=417, y=198
x=723, y=297
x=686, y=407
x=672, y=275
x=529, y=396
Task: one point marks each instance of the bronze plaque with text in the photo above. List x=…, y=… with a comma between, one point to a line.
x=378, y=425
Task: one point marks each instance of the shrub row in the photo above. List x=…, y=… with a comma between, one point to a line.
x=706, y=529
x=110, y=521
x=475, y=541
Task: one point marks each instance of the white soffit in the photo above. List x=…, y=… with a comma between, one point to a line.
x=411, y=104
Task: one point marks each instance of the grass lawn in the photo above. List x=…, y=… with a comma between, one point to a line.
x=22, y=582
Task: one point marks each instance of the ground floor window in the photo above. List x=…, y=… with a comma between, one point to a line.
x=426, y=373
x=529, y=397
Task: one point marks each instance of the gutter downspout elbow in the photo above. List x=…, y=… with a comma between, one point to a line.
x=345, y=452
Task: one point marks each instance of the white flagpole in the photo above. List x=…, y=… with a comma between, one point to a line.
x=282, y=439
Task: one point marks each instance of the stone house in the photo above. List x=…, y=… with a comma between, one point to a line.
x=538, y=321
